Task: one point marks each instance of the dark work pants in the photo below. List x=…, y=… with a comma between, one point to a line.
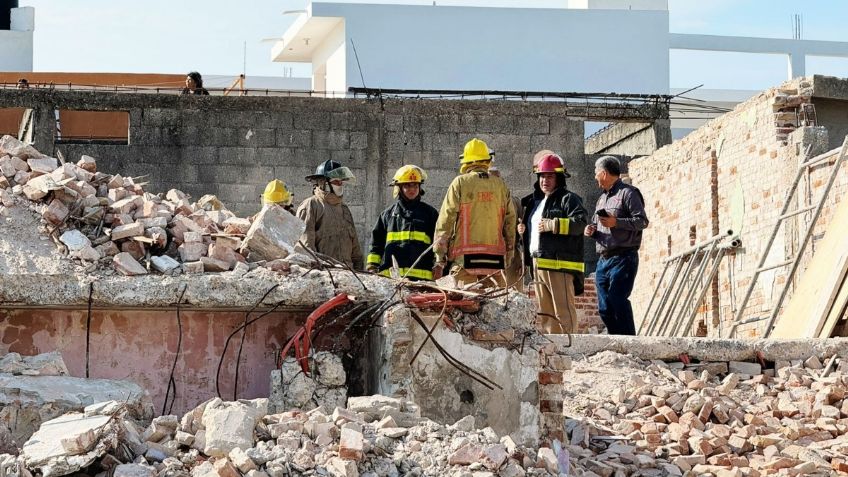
x=614, y=277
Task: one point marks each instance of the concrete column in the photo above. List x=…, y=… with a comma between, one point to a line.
x=797, y=64
x=44, y=128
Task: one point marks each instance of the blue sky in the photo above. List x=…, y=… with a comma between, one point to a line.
x=174, y=36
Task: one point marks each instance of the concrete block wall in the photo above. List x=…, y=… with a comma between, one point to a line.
x=689, y=187
x=232, y=146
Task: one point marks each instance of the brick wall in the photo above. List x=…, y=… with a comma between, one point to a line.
x=587, y=307
x=690, y=187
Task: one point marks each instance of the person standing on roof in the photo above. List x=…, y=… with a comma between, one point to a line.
x=276, y=193
x=404, y=232
x=554, y=239
x=476, y=226
x=329, y=224
x=194, y=84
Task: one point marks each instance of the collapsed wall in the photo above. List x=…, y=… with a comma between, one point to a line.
x=733, y=174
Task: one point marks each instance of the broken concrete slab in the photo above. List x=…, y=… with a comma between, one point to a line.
x=229, y=425
x=273, y=235
x=30, y=400
x=45, y=364
x=164, y=263
x=66, y=444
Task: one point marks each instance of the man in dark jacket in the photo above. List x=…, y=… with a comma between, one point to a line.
x=553, y=236
x=617, y=227
x=405, y=230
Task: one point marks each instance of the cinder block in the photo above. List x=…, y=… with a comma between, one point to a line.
x=294, y=138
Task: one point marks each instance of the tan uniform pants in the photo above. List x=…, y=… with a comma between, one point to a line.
x=555, y=291
x=463, y=278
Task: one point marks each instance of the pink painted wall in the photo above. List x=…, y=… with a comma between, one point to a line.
x=140, y=345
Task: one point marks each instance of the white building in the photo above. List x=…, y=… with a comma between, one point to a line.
x=586, y=46
x=16, y=39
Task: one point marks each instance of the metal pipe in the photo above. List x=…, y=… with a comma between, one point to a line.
x=678, y=291
x=713, y=272
x=701, y=245
x=664, y=300
x=691, y=293
x=653, y=297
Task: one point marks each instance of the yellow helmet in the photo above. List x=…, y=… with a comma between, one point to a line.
x=409, y=174
x=476, y=150
x=276, y=193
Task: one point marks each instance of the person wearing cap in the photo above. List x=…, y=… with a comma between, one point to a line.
x=330, y=229
x=276, y=193
x=514, y=273
x=404, y=232
x=554, y=239
x=476, y=226
x=616, y=227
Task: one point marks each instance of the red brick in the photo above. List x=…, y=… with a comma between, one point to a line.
x=550, y=377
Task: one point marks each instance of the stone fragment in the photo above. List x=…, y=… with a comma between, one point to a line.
x=244, y=463
x=87, y=163
x=55, y=213
x=351, y=445
x=742, y=367
x=134, y=470
x=547, y=460
x=164, y=263
x=127, y=265
x=74, y=240
x=225, y=468
x=273, y=234
x=126, y=231
x=43, y=165
x=493, y=457
x=338, y=467
x=214, y=265
x=466, y=455
x=193, y=267
x=191, y=251
x=108, y=249
x=235, y=225
x=229, y=425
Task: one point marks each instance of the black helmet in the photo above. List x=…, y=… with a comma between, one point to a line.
x=331, y=170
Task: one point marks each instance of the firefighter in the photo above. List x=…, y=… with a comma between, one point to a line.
x=276, y=193
x=476, y=226
x=554, y=239
x=329, y=224
x=404, y=231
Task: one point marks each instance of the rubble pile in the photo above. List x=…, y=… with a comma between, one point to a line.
x=292, y=389
x=373, y=436
x=721, y=419
x=103, y=218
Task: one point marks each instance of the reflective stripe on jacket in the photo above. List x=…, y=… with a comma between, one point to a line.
x=404, y=231
x=562, y=249
x=477, y=218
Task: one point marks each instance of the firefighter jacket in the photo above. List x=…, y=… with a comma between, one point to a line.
x=562, y=249
x=330, y=229
x=476, y=224
x=404, y=231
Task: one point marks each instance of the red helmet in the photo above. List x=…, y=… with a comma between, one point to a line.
x=551, y=163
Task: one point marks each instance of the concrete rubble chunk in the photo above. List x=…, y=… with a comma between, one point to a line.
x=244, y=463
x=87, y=163
x=273, y=235
x=134, y=470
x=74, y=240
x=338, y=467
x=127, y=231
x=351, y=445
x=229, y=425
x=45, y=364
x=66, y=444
x=55, y=213
x=12, y=146
x=164, y=264
x=44, y=165
x=744, y=368
x=127, y=265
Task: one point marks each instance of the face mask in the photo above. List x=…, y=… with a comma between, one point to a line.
x=337, y=189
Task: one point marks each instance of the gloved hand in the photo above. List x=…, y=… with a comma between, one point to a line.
x=547, y=225
x=438, y=270
x=372, y=269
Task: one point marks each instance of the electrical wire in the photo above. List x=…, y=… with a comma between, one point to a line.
x=244, y=334
x=172, y=384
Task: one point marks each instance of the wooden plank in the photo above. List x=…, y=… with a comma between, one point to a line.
x=837, y=309
x=809, y=306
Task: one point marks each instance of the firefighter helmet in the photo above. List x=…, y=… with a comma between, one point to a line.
x=409, y=174
x=551, y=163
x=476, y=150
x=331, y=170
x=276, y=193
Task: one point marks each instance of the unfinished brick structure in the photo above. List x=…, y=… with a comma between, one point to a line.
x=749, y=155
